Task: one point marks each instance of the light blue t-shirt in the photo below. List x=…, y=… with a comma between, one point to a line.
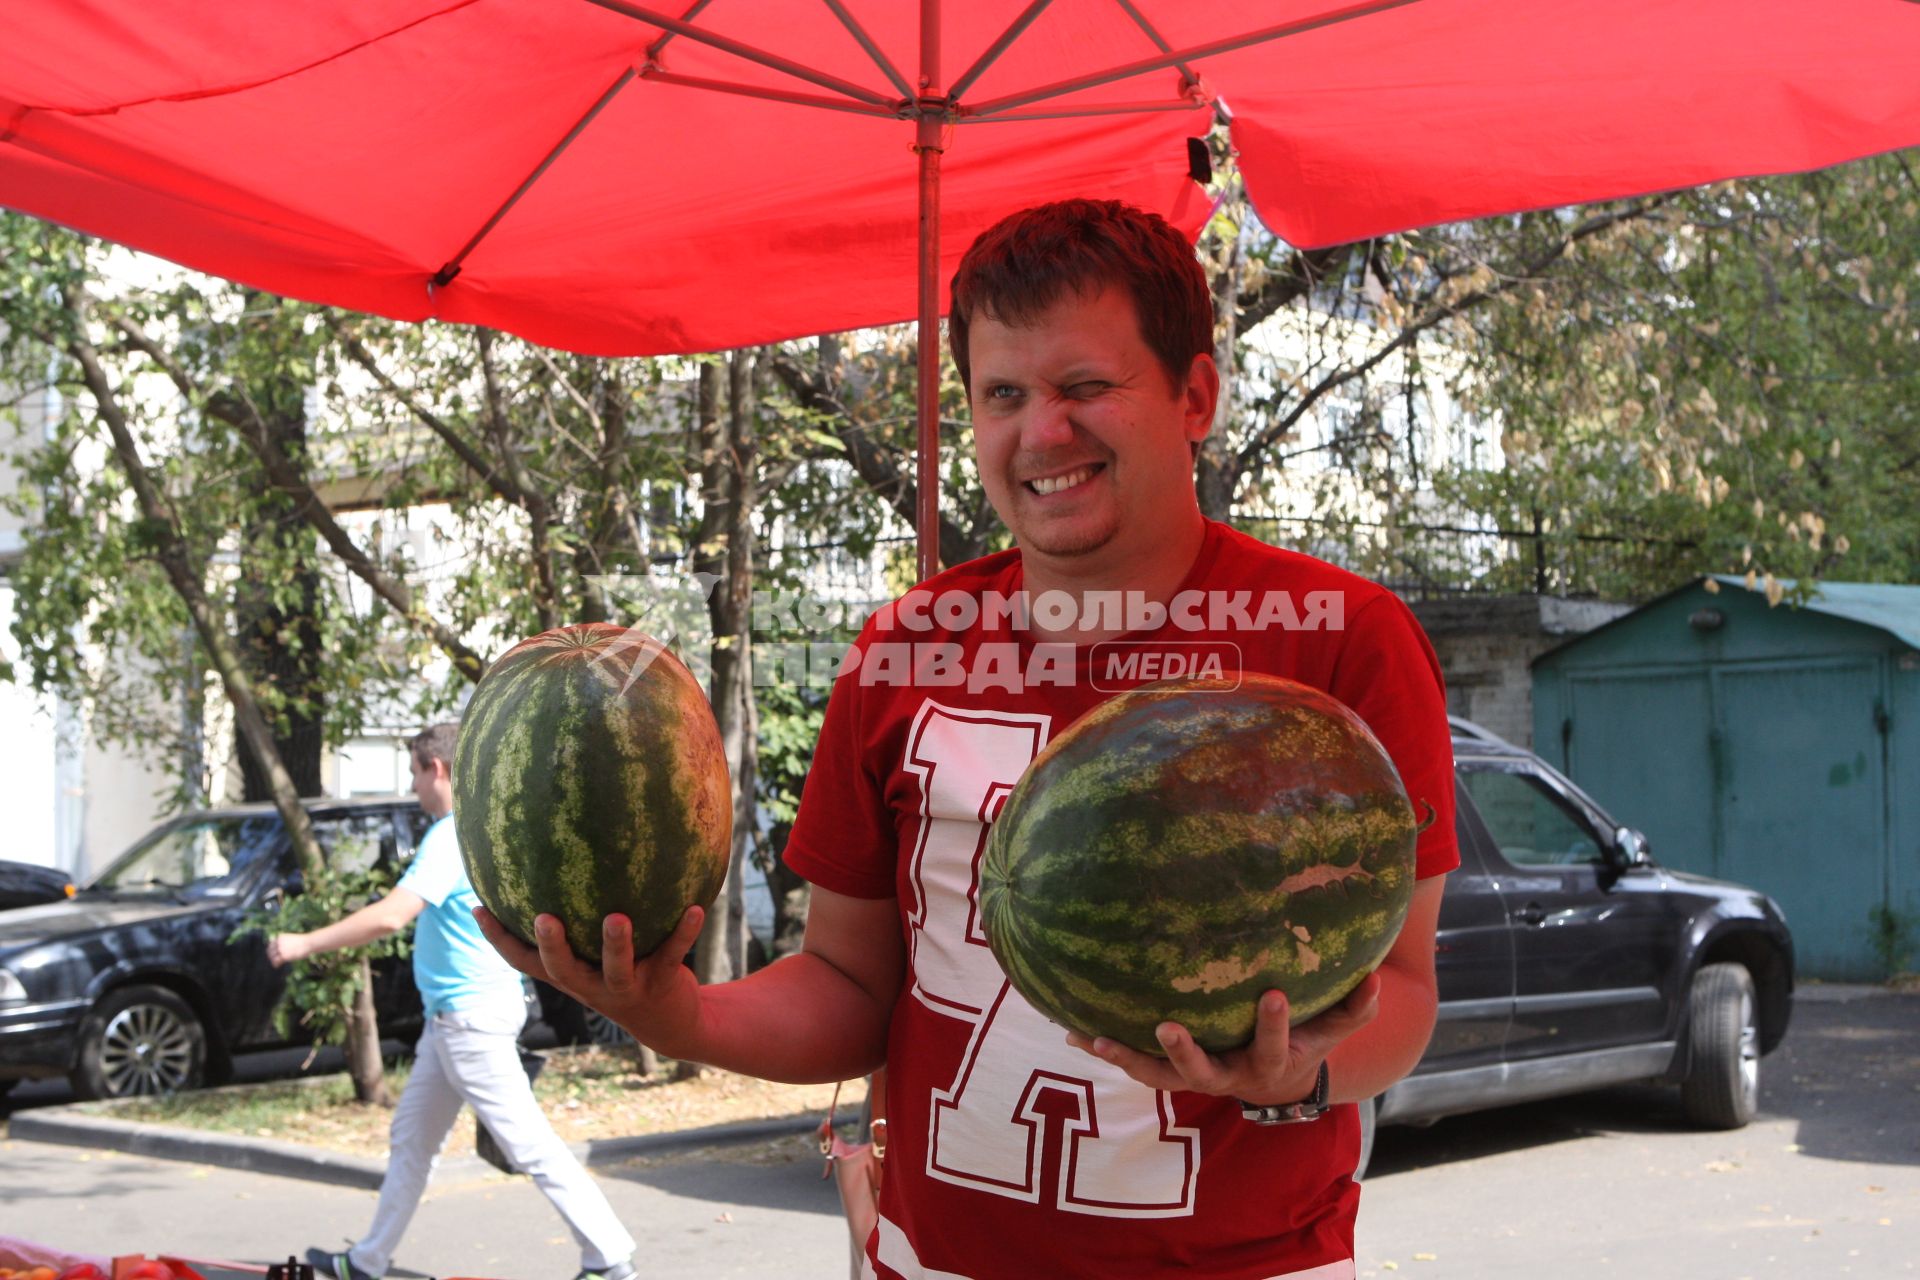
x=453, y=963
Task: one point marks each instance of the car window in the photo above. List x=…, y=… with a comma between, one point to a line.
x=356, y=842
x=416, y=822
x=1531, y=825
x=203, y=857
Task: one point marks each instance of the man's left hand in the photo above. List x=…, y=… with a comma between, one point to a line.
x=1280, y=1066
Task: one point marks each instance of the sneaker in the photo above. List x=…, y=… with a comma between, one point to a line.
x=335, y=1266
x=617, y=1271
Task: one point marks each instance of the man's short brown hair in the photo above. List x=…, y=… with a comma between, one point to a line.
x=435, y=742
x=1022, y=265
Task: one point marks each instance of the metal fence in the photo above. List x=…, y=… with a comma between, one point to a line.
x=1421, y=560
x=1418, y=560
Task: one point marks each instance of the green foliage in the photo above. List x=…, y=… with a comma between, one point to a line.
x=790, y=719
x=1726, y=386
x=99, y=620
x=1715, y=380
x=1893, y=936
x=321, y=989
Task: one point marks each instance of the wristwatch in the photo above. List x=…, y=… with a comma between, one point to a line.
x=1311, y=1107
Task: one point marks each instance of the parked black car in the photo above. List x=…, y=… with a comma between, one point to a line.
x=1569, y=960
x=133, y=987
x=23, y=884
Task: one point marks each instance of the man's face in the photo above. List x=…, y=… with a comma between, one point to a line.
x=1083, y=440
x=433, y=785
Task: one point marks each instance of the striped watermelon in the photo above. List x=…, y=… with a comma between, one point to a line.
x=1187, y=846
x=589, y=778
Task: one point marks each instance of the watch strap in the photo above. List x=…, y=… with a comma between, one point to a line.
x=1311, y=1107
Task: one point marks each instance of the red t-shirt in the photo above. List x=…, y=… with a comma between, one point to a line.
x=1010, y=1153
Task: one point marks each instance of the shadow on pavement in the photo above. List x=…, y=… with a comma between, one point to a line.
x=780, y=1174
x=1407, y=1148
x=1847, y=1075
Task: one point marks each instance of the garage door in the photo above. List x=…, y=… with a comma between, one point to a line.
x=1640, y=747
x=1804, y=803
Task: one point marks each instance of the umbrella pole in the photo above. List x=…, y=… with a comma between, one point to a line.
x=927, y=142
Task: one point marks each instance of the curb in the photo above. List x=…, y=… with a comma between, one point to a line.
x=168, y=1142
x=605, y=1151
x=67, y=1127
x=1841, y=992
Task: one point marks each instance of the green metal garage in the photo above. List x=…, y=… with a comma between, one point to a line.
x=1779, y=747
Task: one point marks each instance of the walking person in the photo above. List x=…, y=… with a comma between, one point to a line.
x=468, y=1054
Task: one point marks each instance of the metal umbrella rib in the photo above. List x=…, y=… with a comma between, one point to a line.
x=1014, y=31
x=873, y=49
x=451, y=268
x=738, y=49
x=1179, y=57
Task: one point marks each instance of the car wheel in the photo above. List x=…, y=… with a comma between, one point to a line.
x=140, y=1040
x=1722, y=1085
x=1368, y=1107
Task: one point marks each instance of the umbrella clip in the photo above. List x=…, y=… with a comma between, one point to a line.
x=1197, y=91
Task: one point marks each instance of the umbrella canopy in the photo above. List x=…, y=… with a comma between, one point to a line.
x=619, y=179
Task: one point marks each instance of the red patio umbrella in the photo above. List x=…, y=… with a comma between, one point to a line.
x=616, y=178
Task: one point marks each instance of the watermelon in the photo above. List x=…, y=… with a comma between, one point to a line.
x=1191, y=844
x=589, y=778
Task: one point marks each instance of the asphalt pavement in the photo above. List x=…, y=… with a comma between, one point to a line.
x=1825, y=1183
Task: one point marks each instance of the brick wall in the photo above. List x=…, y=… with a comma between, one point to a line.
x=1487, y=643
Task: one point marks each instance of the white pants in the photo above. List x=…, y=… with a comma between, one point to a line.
x=471, y=1056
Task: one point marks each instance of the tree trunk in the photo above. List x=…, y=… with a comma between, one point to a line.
x=280, y=641
x=790, y=900
x=1215, y=477
x=724, y=546
x=363, y=1045
x=188, y=579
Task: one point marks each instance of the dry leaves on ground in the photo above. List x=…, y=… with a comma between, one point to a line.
x=587, y=1094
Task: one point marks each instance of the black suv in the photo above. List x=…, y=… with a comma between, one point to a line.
x=23, y=884
x=1568, y=960
x=132, y=986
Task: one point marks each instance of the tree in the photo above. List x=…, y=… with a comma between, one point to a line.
x=135, y=569
x=1725, y=385
x=1356, y=341
x=263, y=421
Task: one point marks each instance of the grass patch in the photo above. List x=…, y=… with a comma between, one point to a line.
x=586, y=1093
x=243, y=1108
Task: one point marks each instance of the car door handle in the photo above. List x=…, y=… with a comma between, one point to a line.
x=1532, y=913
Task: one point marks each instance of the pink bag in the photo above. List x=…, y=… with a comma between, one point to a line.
x=855, y=1168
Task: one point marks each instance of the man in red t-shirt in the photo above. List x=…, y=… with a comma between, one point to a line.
x=1083, y=332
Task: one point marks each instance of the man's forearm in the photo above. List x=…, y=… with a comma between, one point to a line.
x=1381, y=1053
x=797, y=1021
x=369, y=924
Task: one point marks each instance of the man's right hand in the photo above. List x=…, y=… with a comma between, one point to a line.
x=656, y=998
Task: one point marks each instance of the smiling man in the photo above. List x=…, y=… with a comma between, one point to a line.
x=1083, y=331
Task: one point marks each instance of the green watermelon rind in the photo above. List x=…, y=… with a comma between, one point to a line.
x=581, y=789
x=1113, y=931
